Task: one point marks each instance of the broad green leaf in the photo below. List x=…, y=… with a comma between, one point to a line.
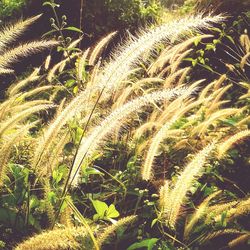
x=100, y=207
x=112, y=212
x=148, y=244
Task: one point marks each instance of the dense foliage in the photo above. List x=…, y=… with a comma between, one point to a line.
x=9, y=7
x=143, y=147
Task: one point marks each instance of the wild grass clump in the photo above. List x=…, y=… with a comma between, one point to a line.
x=132, y=141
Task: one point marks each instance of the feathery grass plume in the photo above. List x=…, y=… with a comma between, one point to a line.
x=246, y=86
x=183, y=76
x=121, y=96
x=199, y=212
x=108, y=231
x=39, y=90
x=169, y=54
x=218, y=83
x=243, y=121
x=116, y=119
x=241, y=209
x=218, y=233
x=245, y=42
x=225, y=146
x=7, y=145
x=147, y=126
x=244, y=61
x=170, y=108
x=47, y=139
x=202, y=127
x=100, y=47
x=217, y=209
x=25, y=105
x=94, y=74
x=185, y=181
x=239, y=240
x=12, y=32
x=184, y=108
x=48, y=206
x=214, y=104
x=206, y=90
x=60, y=66
x=119, y=66
x=247, y=95
x=207, y=100
x=66, y=217
x=172, y=78
x=53, y=157
x=176, y=64
x=15, y=88
x=57, y=239
x=127, y=55
x=26, y=49
x=181, y=144
x=6, y=71
x=6, y=105
x=164, y=198
x=146, y=172
x=13, y=120
x=52, y=72
x=80, y=65
x=47, y=62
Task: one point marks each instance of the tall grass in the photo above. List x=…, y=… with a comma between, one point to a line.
x=138, y=96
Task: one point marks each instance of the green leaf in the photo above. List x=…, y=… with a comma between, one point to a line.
x=49, y=32
x=194, y=62
x=223, y=219
x=71, y=28
x=34, y=202
x=197, y=41
x=100, y=207
x=148, y=244
x=69, y=83
x=154, y=221
x=75, y=89
x=230, y=39
x=215, y=29
x=52, y=5
x=112, y=212
x=210, y=46
x=96, y=217
x=92, y=171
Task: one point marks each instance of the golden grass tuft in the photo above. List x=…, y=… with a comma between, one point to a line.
x=57, y=239
x=108, y=231
x=185, y=181
x=227, y=144
x=13, y=55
